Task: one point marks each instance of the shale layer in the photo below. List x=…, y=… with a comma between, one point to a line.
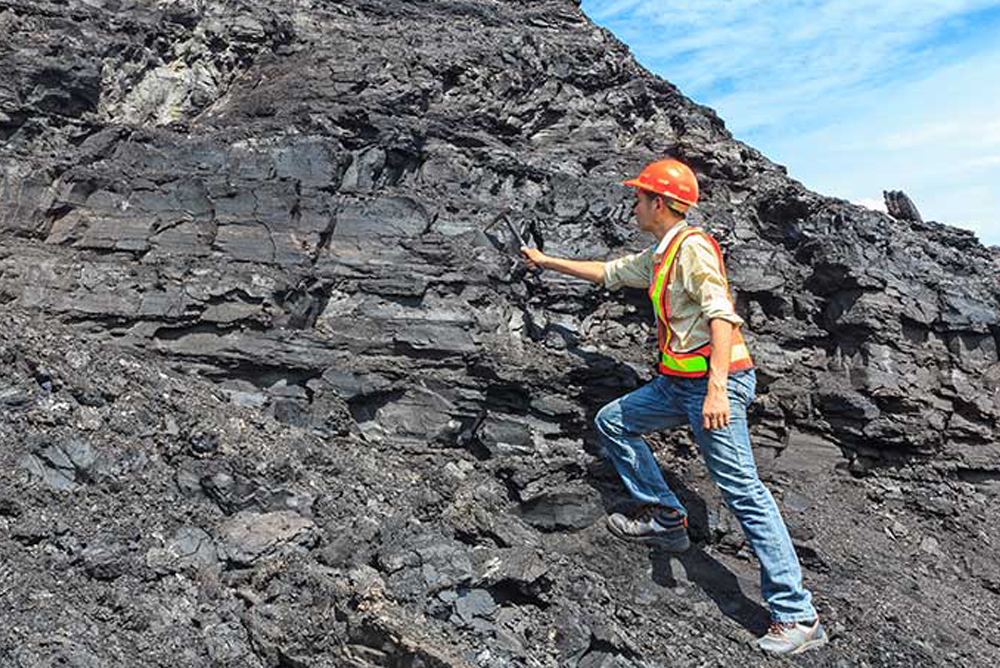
x=276, y=391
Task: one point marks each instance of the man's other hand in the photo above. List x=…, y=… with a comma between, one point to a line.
x=715, y=411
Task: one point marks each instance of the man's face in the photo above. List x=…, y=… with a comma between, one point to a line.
x=645, y=210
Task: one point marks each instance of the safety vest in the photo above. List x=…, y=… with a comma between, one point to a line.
x=693, y=363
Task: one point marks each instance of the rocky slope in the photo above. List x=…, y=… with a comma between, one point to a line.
x=275, y=393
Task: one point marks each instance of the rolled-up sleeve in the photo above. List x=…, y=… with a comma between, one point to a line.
x=703, y=280
x=633, y=271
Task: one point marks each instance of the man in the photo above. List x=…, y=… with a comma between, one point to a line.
x=707, y=381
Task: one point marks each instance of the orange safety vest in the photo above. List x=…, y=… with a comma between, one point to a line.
x=694, y=363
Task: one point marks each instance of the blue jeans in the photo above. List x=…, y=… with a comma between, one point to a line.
x=671, y=402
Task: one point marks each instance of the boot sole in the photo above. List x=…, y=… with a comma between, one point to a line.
x=812, y=644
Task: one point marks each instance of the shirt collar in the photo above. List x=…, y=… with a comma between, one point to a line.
x=661, y=248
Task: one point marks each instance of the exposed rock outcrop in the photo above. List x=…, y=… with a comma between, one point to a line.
x=901, y=207
x=393, y=464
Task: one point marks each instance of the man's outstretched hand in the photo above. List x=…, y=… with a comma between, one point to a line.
x=536, y=261
x=534, y=258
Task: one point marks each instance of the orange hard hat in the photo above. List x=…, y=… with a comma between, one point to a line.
x=670, y=178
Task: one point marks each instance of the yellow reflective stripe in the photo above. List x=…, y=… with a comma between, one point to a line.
x=698, y=363
x=687, y=364
x=658, y=295
x=662, y=275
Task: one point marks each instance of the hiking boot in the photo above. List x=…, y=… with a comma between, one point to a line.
x=657, y=525
x=793, y=638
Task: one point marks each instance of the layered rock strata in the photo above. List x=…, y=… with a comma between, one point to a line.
x=296, y=202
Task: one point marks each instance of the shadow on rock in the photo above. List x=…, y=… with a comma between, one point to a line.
x=717, y=581
x=700, y=568
x=703, y=570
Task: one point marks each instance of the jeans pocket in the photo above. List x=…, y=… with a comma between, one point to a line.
x=744, y=386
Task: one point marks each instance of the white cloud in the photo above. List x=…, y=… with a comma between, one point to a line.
x=970, y=128
x=935, y=138
x=733, y=53
x=854, y=97
x=872, y=203
x=606, y=10
x=984, y=162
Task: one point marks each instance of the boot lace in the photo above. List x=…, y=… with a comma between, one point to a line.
x=779, y=628
x=649, y=510
x=646, y=511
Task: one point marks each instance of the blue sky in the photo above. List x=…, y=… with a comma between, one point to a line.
x=854, y=97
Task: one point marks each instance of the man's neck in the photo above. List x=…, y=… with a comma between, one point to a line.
x=665, y=227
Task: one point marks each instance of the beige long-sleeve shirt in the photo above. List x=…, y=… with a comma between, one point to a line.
x=698, y=290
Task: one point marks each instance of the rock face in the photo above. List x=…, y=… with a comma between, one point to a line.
x=388, y=459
